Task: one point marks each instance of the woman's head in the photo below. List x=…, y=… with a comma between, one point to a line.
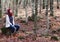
x=9, y=11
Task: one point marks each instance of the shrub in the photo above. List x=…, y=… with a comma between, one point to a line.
x=54, y=38
x=6, y=31
x=21, y=37
x=55, y=17
x=54, y=31
x=22, y=21
x=30, y=19
x=20, y=17
x=46, y=35
x=23, y=30
x=58, y=30
x=51, y=15
x=3, y=30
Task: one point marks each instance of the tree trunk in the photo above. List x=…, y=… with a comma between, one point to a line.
x=51, y=7
x=33, y=6
x=47, y=20
x=57, y=4
x=26, y=15
x=40, y=7
x=19, y=2
x=25, y=6
x=16, y=8
x=35, y=17
x=43, y=4
x=0, y=9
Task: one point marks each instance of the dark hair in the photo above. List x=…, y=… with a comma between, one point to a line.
x=9, y=13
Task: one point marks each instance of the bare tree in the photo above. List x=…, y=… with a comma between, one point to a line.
x=25, y=6
x=47, y=19
x=16, y=7
x=0, y=9
x=33, y=7
x=43, y=4
x=57, y=4
x=40, y=6
x=51, y=7
x=35, y=17
x=15, y=3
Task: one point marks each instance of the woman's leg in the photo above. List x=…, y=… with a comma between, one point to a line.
x=17, y=27
x=12, y=28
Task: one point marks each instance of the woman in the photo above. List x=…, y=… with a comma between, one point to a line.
x=10, y=21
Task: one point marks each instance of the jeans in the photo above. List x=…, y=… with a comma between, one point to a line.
x=13, y=28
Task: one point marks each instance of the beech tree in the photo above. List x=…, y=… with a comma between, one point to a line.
x=43, y=4
x=57, y=4
x=47, y=17
x=35, y=17
x=51, y=7
x=0, y=9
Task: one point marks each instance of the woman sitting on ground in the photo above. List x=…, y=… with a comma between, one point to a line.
x=10, y=21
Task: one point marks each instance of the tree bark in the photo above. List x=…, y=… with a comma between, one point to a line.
x=26, y=14
x=35, y=17
x=33, y=6
x=57, y=4
x=40, y=7
x=51, y=7
x=0, y=9
x=43, y=4
x=45, y=32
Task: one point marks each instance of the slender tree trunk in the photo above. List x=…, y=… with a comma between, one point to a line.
x=25, y=6
x=47, y=20
x=35, y=17
x=0, y=9
x=33, y=8
x=16, y=8
x=57, y=4
x=40, y=6
x=47, y=16
x=26, y=15
x=19, y=2
x=51, y=7
x=43, y=4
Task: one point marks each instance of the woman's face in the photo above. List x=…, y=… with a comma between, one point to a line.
x=10, y=11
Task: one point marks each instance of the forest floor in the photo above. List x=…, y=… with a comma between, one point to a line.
x=26, y=32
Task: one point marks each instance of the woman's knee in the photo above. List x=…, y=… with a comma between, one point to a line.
x=12, y=29
x=17, y=26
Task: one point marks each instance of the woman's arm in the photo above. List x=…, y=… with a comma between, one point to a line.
x=13, y=21
x=7, y=21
